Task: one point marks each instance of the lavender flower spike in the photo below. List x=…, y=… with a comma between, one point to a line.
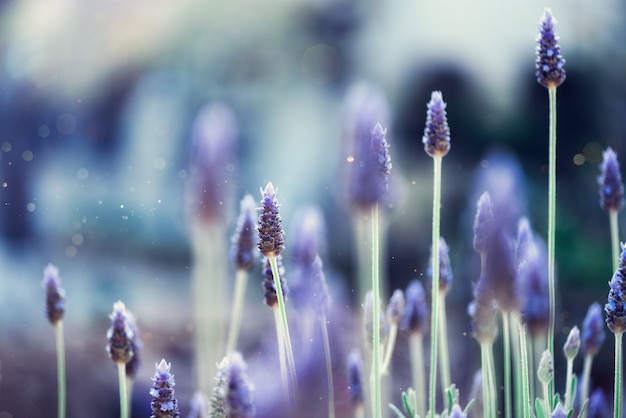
x=372, y=171
x=271, y=242
x=415, y=315
x=615, y=307
x=164, y=403
x=243, y=253
x=436, y=137
x=572, y=344
x=55, y=295
x=483, y=223
x=593, y=331
x=232, y=396
x=120, y=335
x=610, y=182
x=549, y=63
x=132, y=367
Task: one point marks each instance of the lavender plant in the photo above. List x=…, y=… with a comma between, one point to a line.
x=120, y=348
x=436, y=142
x=55, y=309
x=550, y=73
x=232, y=396
x=164, y=404
x=611, y=197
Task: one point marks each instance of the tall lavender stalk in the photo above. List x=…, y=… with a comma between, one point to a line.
x=611, y=196
x=615, y=310
x=550, y=74
x=436, y=142
x=120, y=349
x=55, y=309
x=271, y=244
x=243, y=256
x=164, y=404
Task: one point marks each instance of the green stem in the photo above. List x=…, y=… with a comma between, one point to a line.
x=121, y=374
x=285, y=325
x=489, y=395
x=506, y=337
x=437, y=159
x=584, y=389
x=376, y=363
x=237, y=310
x=444, y=361
x=614, y=238
x=329, y=369
x=569, y=396
x=362, y=241
x=551, y=219
x=416, y=348
x=391, y=343
x=517, y=372
x=617, y=400
x=546, y=399
x=524, y=367
x=58, y=331
x=282, y=358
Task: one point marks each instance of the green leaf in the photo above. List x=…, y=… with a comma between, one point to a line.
x=395, y=409
x=406, y=403
x=572, y=389
x=539, y=408
x=468, y=407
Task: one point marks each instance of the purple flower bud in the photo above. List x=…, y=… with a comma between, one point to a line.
x=214, y=135
x=549, y=63
x=164, y=403
x=55, y=295
x=610, y=182
x=500, y=273
x=533, y=280
x=243, y=252
x=593, y=330
x=271, y=242
x=120, y=335
x=483, y=223
x=615, y=308
x=598, y=406
x=559, y=412
x=232, y=396
x=445, y=268
x=320, y=296
x=572, y=344
x=436, y=137
x=372, y=169
x=271, y=298
x=395, y=308
x=415, y=315
x=545, y=370
x=308, y=236
x=355, y=378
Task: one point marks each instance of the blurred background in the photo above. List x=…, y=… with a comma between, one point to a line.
x=97, y=104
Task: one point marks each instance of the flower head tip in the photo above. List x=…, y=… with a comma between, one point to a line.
x=271, y=242
x=55, y=295
x=436, y=137
x=549, y=63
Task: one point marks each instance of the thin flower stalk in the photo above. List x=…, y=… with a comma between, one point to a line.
x=570, y=349
x=436, y=142
x=329, y=368
x=550, y=74
x=376, y=343
x=395, y=312
x=525, y=389
x=506, y=339
x=617, y=389
x=60, y=346
x=445, y=282
x=121, y=350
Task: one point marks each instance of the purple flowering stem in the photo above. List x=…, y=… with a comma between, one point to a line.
x=58, y=331
x=121, y=374
x=526, y=400
x=376, y=359
x=237, y=310
x=617, y=399
x=614, y=238
x=281, y=354
x=285, y=325
x=329, y=368
x=551, y=219
x=437, y=160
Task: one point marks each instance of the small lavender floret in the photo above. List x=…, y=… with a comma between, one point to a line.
x=164, y=403
x=232, y=396
x=132, y=367
x=55, y=295
x=572, y=344
x=436, y=137
x=395, y=308
x=549, y=63
x=615, y=308
x=415, y=316
x=271, y=298
x=559, y=412
x=243, y=252
x=120, y=335
x=355, y=378
x=545, y=370
x=593, y=330
x=483, y=223
x=610, y=182
x=271, y=242
x=445, y=268
x=372, y=171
